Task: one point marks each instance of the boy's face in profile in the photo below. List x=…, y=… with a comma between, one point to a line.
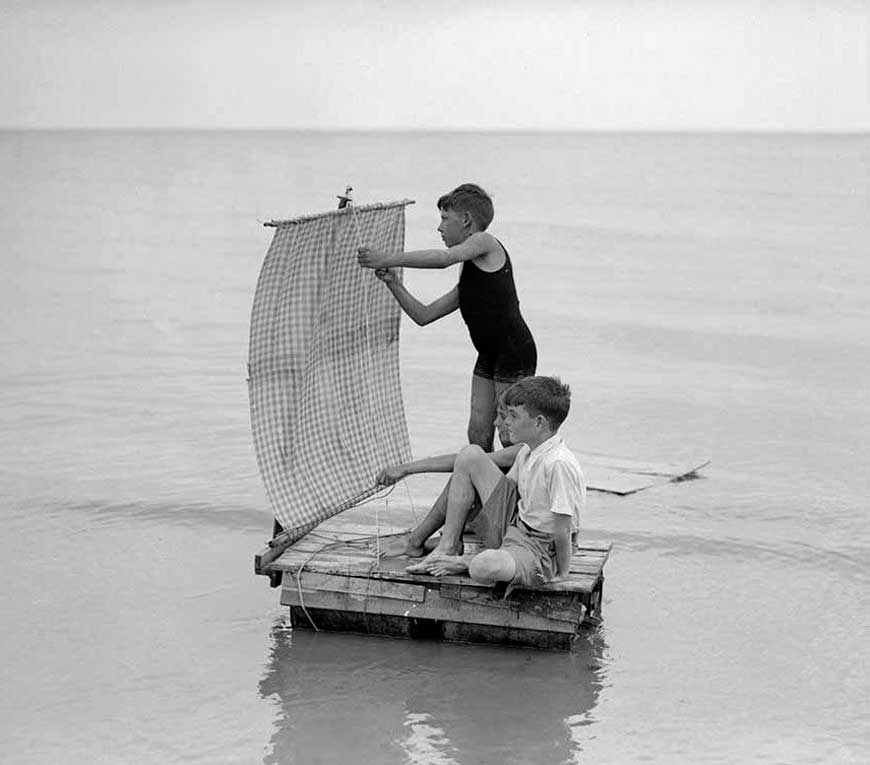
x=521, y=426
x=504, y=435
x=452, y=227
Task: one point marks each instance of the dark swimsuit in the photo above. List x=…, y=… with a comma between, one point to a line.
x=490, y=308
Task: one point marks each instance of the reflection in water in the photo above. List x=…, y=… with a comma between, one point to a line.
x=371, y=699
x=425, y=743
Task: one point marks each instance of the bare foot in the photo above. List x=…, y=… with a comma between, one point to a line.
x=448, y=564
x=396, y=548
x=424, y=566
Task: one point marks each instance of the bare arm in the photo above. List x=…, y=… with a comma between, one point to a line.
x=479, y=244
x=504, y=458
x=442, y=463
x=562, y=540
x=421, y=313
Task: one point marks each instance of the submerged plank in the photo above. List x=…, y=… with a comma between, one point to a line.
x=620, y=475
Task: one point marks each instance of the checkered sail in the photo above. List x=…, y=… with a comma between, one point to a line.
x=326, y=402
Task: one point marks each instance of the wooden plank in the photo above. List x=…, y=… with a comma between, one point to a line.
x=341, y=527
x=558, y=606
x=364, y=587
x=435, y=607
x=580, y=583
x=584, y=577
x=592, y=550
x=589, y=560
x=591, y=546
x=265, y=558
x=295, y=559
x=642, y=467
x=427, y=629
x=619, y=475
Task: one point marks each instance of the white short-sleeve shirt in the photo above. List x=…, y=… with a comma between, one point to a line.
x=549, y=480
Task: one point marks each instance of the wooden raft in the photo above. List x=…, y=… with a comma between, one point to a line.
x=333, y=580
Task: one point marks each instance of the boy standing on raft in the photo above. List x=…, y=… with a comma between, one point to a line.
x=528, y=520
x=485, y=295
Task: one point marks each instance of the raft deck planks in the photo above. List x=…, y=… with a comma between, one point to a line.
x=333, y=579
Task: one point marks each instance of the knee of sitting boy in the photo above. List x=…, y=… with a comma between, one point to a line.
x=468, y=455
x=483, y=567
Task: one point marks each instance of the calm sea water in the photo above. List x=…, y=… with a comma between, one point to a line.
x=702, y=294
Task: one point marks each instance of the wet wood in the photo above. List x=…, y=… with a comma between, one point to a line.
x=620, y=475
x=335, y=579
x=477, y=609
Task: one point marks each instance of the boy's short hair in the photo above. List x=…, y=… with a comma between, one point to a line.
x=472, y=199
x=547, y=396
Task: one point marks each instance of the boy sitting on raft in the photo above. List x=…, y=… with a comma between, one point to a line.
x=527, y=520
x=414, y=545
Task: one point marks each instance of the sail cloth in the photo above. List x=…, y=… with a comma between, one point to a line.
x=325, y=395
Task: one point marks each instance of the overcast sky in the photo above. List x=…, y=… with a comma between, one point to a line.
x=440, y=64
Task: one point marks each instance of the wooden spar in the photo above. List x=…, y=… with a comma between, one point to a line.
x=346, y=210
x=275, y=548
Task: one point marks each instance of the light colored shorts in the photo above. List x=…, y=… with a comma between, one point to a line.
x=499, y=528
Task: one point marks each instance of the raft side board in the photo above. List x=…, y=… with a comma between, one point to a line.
x=437, y=607
x=356, y=586
x=420, y=629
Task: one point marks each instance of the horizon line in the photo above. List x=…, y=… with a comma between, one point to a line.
x=442, y=130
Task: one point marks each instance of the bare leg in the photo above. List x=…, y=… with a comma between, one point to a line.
x=480, y=422
x=474, y=475
x=504, y=436
x=412, y=545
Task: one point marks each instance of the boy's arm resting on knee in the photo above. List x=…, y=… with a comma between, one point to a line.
x=440, y=463
x=506, y=457
x=562, y=540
